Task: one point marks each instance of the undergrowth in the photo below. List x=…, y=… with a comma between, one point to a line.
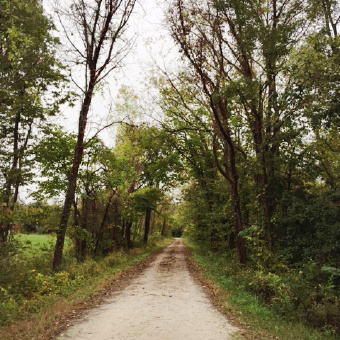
x=277, y=304
x=29, y=287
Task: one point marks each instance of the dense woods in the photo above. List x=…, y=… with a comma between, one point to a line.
x=244, y=162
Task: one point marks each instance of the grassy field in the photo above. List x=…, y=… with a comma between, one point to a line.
x=35, y=244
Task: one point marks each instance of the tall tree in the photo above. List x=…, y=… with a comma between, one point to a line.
x=238, y=51
x=29, y=72
x=191, y=134
x=99, y=27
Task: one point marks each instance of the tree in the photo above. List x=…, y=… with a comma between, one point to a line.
x=156, y=164
x=99, y=27
x=306, y=218
x=238, y=51
x=103, y=176
x=160, y=168
x=53, y=154
x=29, y=74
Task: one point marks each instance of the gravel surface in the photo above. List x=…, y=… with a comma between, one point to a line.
x=164, y=302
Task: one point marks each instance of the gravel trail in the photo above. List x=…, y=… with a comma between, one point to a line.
x=164, y=302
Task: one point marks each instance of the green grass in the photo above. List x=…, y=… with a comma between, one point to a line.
x=247, y=307
x=36, y=245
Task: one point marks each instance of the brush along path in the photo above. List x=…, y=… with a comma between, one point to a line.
x=164, y=302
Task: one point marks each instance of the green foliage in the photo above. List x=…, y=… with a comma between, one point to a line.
x=308, y=228
x=29, y=73
x=251, y=132
x=6, y=214
x=54, y=155
x=147, y=197
x=37, y=218
x=278, y=301
x=255, y=112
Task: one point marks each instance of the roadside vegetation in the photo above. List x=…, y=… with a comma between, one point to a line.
x=276, y=304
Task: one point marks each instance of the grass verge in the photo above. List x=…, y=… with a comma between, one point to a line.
x=255, y=319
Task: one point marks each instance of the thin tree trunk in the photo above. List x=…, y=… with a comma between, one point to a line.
x=231, y=175
x=164, y=227
x=20, y=161
x=103, y=223
x=94, y=23
x=153, y=224
x=128, y=235
x=147, y=225
x=85, y=220
x=78, y=155
x=11, y=176
x=77, y=227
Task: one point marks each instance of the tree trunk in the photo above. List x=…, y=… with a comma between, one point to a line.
x=164, y=227
x=99, y=38
x=238, y=214
x=103, y=223
x=153, y=224
x=78, y=155
x=11, y=177
x=128, y=235
x=231, y=175
x=4, y=230
x=147, y=224
x=77, y=245
x=85, y=221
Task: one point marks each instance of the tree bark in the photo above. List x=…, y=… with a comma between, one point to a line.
x=11, y=177
x=128, y=235
x=78, y=155
x=164, y=227
x=153, y=224
x=77, y=227
x=147, y=225
x=103, y=223
x=220, y=114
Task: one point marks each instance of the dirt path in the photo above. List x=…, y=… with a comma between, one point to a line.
x=164, y=302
